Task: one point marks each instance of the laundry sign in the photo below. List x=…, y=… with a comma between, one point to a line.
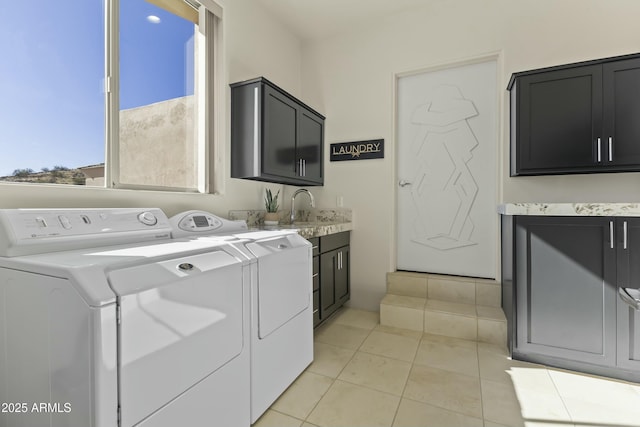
x=359, y=150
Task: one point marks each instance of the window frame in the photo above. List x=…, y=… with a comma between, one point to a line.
x=208, y=107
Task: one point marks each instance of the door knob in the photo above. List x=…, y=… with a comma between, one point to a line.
x=403, y=183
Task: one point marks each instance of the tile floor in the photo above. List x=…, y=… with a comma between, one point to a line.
x=368, y=375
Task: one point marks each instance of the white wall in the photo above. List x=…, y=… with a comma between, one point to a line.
x=256, y=45
x=350, y=78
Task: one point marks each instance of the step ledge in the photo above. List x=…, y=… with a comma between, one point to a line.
x=481, y=312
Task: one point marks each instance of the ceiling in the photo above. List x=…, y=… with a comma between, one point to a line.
x=315, y=19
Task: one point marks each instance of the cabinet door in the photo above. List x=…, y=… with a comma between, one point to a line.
x=334, y=280
x=310, y=146
x=558, y=120
x=279, y=134
x=621, y=80
x=328, y=269
x=628, y=232
x=565, y=288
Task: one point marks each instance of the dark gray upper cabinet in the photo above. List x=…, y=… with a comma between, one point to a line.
x=274, y=136
x=577, y=118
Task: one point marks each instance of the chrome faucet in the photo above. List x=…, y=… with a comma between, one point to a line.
x=293, y=201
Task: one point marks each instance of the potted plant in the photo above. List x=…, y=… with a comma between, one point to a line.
x=271, y=204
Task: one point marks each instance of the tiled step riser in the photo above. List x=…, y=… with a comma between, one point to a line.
x=445, y=288
x=446, y=324
x=452, y=306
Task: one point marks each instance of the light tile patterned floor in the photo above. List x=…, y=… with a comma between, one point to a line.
x=368, y=375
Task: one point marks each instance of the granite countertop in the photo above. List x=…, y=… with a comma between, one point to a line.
x=570, y=209
x=309, y=223
x=309, y=230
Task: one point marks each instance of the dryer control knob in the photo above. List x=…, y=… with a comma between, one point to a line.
x=147, y=218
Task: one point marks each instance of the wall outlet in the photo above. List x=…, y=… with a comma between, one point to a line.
x=340, y=201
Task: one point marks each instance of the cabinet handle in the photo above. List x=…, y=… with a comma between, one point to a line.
x=610, y=149
x=304, y=167
x=300, y=167
x=599, y=150
x=340, y=260
x=611, y=233
x=624, y=235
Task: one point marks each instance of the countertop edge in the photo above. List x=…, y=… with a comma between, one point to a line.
x=316, y=230
x=570, y=209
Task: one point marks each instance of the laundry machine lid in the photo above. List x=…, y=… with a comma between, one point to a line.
x=87, y=267
x=180, y=320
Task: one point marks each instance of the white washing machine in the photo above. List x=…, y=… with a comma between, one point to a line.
x=147, y=331
x=281, y=299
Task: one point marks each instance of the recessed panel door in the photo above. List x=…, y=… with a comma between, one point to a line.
x=565, y=288
x=447, y=171
x=309, y=148
x=628, y=243
x=560, y=120
x=280, y=132
x=328, y=275
x=621, y=134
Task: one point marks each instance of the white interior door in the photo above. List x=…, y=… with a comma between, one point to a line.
x=447, y=143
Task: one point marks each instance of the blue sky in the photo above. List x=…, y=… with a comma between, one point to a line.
x=52, y=70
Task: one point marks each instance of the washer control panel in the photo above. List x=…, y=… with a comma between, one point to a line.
x=44, y=229
x=192, y=223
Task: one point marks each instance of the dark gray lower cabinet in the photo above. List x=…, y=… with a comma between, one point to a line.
x=628, y=244
x=560, y=292
x=333, y=287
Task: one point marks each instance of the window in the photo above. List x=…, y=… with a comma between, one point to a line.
x=58, y=124
x=52, y=105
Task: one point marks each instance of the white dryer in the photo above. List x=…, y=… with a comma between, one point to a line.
x=281, y=299
x=147, y=331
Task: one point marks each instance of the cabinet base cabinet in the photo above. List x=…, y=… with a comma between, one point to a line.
x=560, y=295
x=334, y=275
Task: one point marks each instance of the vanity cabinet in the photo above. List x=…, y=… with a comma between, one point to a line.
x=577, y=118
x=331, y=287
x=274, y=136
x=560, y=292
